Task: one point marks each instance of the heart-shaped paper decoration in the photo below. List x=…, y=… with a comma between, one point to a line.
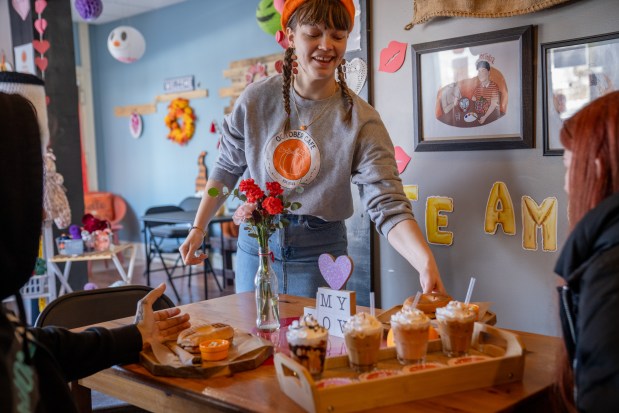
x=401, y=158
x=335, y=271
x=41, y=63
x=356, y=74
x=22, y=7
x=40, y=46
x=40, y=25
x=39, y=6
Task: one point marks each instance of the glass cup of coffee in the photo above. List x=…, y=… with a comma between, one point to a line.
x=307, y=341
x=363, y=334
x=410, y=333
x=455, y=324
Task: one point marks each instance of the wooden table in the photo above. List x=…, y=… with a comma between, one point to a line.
x=258, y=390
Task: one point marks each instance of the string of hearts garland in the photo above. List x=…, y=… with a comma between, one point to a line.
x=40, y=45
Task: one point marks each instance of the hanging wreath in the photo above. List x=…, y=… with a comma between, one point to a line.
x=181, y=121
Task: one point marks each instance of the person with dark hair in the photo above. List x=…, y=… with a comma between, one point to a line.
x=37, y=363
x=589, y=261
x=486, y=94
x=306, y=128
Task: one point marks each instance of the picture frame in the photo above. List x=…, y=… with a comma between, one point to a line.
x=474, y=92
x=575, y=72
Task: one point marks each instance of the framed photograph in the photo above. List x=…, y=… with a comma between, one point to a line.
x=575, y=72
x=474, y=92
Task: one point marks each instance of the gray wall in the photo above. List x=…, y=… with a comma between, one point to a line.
x=519, y=282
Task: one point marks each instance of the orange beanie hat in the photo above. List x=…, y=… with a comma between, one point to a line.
x=291, y=5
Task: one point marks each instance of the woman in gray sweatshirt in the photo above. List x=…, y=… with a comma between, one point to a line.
x=305, y=128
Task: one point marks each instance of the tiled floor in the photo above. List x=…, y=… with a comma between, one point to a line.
x=104, y=277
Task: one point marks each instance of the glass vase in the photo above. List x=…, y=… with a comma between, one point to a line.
x=266, y=288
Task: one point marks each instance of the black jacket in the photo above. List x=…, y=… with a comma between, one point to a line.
x=57, y=356
x=589, y=306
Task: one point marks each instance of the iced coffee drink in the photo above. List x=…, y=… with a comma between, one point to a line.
x=455, y=323
x=307, y=341
x=410, y=333
x=363, y=334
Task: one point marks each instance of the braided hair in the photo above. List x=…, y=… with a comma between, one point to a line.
x=287, y=80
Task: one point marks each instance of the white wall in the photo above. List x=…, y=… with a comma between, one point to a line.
x=520, y=283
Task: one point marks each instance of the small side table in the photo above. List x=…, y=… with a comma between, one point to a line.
x=110, y=254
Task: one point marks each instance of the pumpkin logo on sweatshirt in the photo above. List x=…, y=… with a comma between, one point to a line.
x=292, y=158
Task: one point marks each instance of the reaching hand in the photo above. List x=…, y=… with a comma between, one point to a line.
x=431, y=281
x=158, y=325
x=190, y=250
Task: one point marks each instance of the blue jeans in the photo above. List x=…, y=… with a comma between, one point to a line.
x=296, y=249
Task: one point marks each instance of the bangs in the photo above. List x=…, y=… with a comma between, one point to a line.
x=331, y=13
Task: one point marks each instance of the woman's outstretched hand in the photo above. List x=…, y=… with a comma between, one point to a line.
x=190, y=249
x=158, y=325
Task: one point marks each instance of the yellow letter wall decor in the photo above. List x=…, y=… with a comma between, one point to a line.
x=435, y=221
x=412, y=192
x=544, y=216
x=500, y=210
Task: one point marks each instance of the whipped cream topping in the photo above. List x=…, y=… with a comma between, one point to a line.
x=410, y=317
x=362, y=324
x=455, y=310
x=306, y=331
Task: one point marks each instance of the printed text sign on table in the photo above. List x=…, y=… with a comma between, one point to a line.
x=333, y=309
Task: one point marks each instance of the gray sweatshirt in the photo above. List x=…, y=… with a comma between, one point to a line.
x=324, y=159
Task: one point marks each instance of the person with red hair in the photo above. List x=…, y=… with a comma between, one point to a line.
x=589, y=261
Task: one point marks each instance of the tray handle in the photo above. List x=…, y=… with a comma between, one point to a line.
x=295, y=381
x=514, y=345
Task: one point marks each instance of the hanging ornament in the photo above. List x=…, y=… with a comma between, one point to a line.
x=135, y=125
x=89, y=10
x=213, y=127
x=126, y=44
x=268, y=18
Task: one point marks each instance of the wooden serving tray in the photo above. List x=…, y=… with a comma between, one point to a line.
x=254, y=352
x=505, y=364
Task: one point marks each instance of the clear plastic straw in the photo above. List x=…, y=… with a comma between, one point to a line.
x=470, y=290
x=372, y=303
x=416, y=300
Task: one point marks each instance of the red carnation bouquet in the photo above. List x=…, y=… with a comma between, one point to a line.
x=260, y=209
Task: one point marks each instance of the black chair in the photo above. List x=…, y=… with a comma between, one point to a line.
x=81, y=308
x=161, y=238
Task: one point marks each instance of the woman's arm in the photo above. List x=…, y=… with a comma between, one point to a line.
x=208, y=206
x=407, y=239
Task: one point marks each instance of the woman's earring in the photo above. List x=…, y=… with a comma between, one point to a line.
x=294, y=63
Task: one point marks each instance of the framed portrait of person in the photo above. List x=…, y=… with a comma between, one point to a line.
x=474, y=92
x=575, y=72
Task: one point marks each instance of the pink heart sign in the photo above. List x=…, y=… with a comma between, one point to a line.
x=335, y=271
x=22, y=7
